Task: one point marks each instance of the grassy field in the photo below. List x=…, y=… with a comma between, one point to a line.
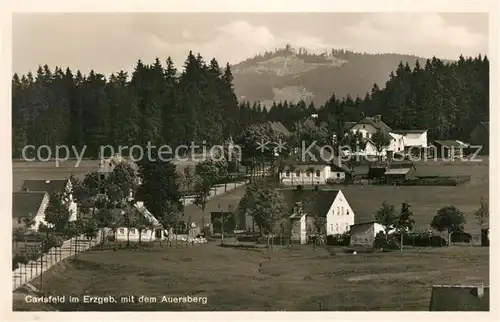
x=291, y=279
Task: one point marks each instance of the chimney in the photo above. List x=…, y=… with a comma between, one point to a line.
x=377, y=118
x=480, y=290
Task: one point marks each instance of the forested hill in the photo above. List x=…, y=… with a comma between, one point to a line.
x=293, y=74
x=56, y=106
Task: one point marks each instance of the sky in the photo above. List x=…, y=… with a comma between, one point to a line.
x=109, y=42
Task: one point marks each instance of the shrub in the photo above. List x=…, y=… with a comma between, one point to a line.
x=461, y=237
x=389, y=242
x=437, y=181
x=338, y=240
x=421, y=240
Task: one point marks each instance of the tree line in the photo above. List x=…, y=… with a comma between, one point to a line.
x=56, y=107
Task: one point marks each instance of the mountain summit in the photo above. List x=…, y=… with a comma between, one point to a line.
x=293, y=74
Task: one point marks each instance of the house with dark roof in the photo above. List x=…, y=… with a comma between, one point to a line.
x=29, y=204
x=460, y=298
x=225, y=203
x=52, y=187
x=363, y=234
x=328, y=203
x=312, y=166
x=480, y=136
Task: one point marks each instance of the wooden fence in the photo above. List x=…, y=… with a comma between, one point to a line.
x=26, y=273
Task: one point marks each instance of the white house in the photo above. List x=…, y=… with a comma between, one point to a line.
x=314, y=167
x=400, y=140
x=31, y=204
x=327, y=203
x=149, y=234
x=54, y=186
x=311, y=174
x=413, y=139
x=340, y=216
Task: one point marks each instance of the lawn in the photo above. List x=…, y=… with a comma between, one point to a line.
x=291, y=279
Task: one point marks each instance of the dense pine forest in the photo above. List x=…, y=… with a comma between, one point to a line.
x=155, y=104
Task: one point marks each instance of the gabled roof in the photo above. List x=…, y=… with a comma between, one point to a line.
x=459, y=298
x=376, y=123
x=366, y=223
x=449, y=143
x=145, y=212
x=397, y=171
x=313, y=202
x=49, y=186
x=348, y=125
x=26, y=203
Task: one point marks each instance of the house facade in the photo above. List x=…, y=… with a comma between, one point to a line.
x=302, y=174
x=316, y=166
x=55, y=186
x=146, y=235
x=340, y=216
x=31, y=204
x=306, y=204
x=363, y=234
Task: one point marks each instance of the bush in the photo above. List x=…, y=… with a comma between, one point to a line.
x=385, y=242
x=338, y=240
x=421, y=240
x=461, y=237
x=437, y=181
x=333, y=181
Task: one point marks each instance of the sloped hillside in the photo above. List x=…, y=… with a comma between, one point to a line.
x=289, y=74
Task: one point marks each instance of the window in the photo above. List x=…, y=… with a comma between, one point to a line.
x=331, y=227
x=308, y=174
x=363, y=126
x=318, y=173
x=121, y=231
x=338, y=211
x=347, y=211
x=101, y=176
x=337, y=227
x=338, y=174
x=342, y=211
x=297, y=173
x=287, y=173
x=346, y=227
x=132, y=230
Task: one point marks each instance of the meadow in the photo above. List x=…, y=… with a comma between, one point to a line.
x=289, y=279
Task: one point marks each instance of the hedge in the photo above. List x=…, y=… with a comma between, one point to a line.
x=338, y=240
x=437, y=181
